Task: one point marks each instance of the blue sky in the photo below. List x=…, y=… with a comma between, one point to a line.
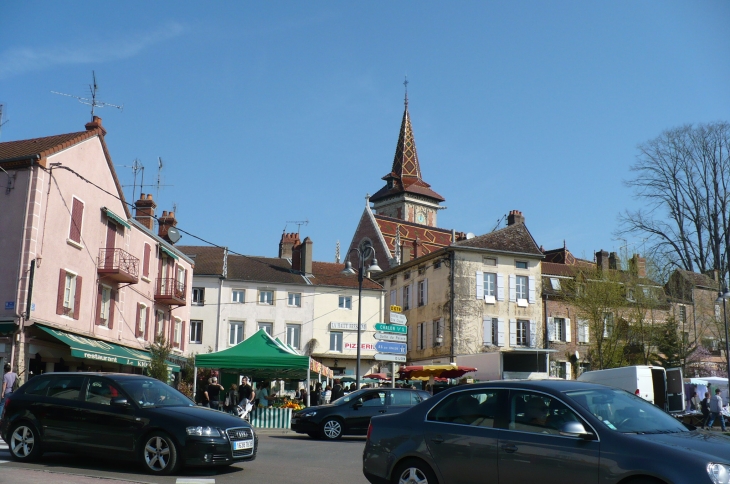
x=267, y=112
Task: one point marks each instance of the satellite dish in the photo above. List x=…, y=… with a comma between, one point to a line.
x=173, y=234
x=470, y=236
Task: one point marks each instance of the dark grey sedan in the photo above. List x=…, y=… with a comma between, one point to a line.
x=549, y=431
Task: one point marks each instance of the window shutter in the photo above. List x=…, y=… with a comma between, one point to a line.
x=420, y=336
x=393, y=298
x=146, y=322
x=480, y=285
x=410, y=296
x=112, y=304
x=531, y=290
x=513, y=332
x=146, y=261
x=98, y=305
x=410, y=338
x=77, y=216
x=551, y=329
x=61, y=288
x=500, y=332
x=512, y=288
x=568, y=336
x=77, y=297
x=136, y=324
x=425, y=292
x=533, y=334
x=487, y=328
x=500, y=287
x=568, y=371
x=428, y=337
x=182, y=335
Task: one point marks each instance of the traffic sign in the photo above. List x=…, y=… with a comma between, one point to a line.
x=397, y=318
x=391, y=328
x=388, y=347
x=387, y=357
x=396, y=309
x=398, y=338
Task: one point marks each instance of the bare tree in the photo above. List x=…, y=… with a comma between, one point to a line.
x=683, y=176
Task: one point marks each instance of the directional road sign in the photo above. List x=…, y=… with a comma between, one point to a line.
x=397, y=318
x=388, y=347
x=398, y=338
x=396, y=309
x=387, y=357
x=391, y=328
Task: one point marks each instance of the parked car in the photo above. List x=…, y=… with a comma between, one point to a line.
x=550, y=431
x=121, y=415
x=350, y=415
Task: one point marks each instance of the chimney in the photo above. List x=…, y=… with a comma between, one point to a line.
x=301, y=260
x=417, y=248
x=287, y=244
x=406, y=254
x=515, y=217
x=637, y=265
x=614, y=262
x=166, y=221
x=95, y=124
x=602, y=260
x=145, y=211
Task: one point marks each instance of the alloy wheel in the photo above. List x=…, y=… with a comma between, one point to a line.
x=157, y=453
x=332, y=429
x=412, y=475
x=22, y=441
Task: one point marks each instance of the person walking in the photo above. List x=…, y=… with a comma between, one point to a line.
x=245, y=392
x=716, y=410
x=231, y=401
x=694, y=402
x=317, y=397
x=705, y=409
x=327, y=394
x=213, y=393
x=9, y=379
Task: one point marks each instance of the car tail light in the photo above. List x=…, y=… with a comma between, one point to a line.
x=370, y=429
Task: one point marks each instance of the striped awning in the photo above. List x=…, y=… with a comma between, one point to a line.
x=169, y=252
x=115, y=217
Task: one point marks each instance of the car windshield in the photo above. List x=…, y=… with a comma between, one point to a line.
x=621, y=411
x=150, y=392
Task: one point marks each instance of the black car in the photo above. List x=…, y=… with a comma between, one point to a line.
x=126, y=416
x=550, y=431
x=351, y=414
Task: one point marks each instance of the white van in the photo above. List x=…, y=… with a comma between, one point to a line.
x=663, y=388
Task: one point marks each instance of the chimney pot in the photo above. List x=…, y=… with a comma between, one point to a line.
x=145, y=211
x=515, y=217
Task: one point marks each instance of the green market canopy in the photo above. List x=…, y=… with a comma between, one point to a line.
x=259, y=356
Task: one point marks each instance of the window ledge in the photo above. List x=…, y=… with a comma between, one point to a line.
x=490, y=300
x=75, y=244
x=522, y=303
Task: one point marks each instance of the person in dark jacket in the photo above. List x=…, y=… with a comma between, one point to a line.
x=337, y=391
x=231, y=400
x=213, y=393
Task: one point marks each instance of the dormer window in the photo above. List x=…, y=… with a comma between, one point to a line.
x=390, y=183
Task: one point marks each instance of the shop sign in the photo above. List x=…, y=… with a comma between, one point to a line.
x=363, y=346
x=347, y=326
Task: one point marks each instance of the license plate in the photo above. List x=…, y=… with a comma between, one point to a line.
x=242, y=444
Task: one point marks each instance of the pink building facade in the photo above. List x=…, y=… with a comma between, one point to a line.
x=83, y=284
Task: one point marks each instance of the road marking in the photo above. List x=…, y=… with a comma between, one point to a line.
x=188, y=480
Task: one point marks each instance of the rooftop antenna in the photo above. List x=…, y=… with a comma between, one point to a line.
x=91, y=102
x=405, y=83
x=499, y=222
x=138, y=167
x=298, y=223
x=2, y=109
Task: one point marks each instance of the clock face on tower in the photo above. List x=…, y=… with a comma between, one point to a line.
x=421, y=218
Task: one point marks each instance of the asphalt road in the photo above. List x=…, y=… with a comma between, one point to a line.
x=283, y=456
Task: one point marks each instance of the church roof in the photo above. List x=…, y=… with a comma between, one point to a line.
x=405, y=175
x=431, y=238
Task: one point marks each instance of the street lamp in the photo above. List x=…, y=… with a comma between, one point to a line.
x=348, y=271
x=724, y=295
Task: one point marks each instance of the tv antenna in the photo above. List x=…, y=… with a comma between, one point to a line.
x=499, y=222
x=136, y=167
x=93, y=101
x=2, y=108
x=298, y=223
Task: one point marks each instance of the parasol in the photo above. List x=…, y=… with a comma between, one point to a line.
x=377, y=376
x=437, y=371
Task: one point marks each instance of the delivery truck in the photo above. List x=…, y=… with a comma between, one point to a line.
x=662, y=387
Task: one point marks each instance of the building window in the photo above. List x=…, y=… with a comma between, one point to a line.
x=394, y=280
x=69, y=293
x=523, y=333
x=293, y=332
x=239, y=296
x=520, y=264
x=422, y=292
x=407, y=275
x=521, y=287
x=421, y=337
x=421, y=270
x=336, y=341
x=142, y=326
x=345, y=302
x=198, y=296
x=406, y=298
x=106, y=296
x=266, y=297
x=583, y=335
x=490, y=261
x=490, y=284
x=559, y=329
x=177, y=335
x=268, y=327
x=438, y=333
x=555, y=283
x=495, y=331
x=437, y=264
x=295, y=299
x=608, y=324
x=159, y=323
x=196, y=332
x=682, y=314
x=235, y=334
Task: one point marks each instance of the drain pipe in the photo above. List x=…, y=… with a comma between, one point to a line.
x=452, y=259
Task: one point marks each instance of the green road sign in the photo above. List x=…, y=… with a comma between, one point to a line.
x=391, y=328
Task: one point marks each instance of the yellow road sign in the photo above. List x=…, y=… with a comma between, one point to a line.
x=396, y=309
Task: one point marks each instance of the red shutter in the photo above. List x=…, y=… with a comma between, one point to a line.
x=99, y=304
x=136, y=325
x=61, y=288
x=146, y=261
x=110, y=321
x=182, y=335
x=147, y=322
x=77, y=216
x=77, y=298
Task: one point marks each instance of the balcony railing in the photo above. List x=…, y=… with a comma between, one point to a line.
x=118, y=265
x=170, y=291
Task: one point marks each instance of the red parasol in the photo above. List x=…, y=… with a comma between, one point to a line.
x=377, y=376
x=436, y=371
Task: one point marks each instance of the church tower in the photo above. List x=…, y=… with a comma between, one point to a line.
x=405, y=195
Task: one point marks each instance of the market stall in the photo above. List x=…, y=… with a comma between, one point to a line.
x=431, y=373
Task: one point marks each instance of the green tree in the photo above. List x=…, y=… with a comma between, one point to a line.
x=159, y=352
x=673, y=350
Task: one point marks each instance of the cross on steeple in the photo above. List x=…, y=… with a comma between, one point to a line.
x=405, y=83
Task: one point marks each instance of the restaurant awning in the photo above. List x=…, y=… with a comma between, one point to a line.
x=98, y=350
x=116, y=217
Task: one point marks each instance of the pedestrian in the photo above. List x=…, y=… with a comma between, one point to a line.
x=266, y=397
x=9, y=379
x=337, y=390
x=716, y=410
x=327, y=394
x=694, y=402
x=705, y=409
x=303, y=395
x=231, y=401
x=213, y=393
x=317, y=394
x=245, y=393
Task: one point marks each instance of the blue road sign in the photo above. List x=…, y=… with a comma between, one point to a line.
x=388, y=347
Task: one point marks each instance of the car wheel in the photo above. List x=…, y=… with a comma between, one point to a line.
x=159, y=454
x=414, y=472
x=331, y=429
x=24, y=442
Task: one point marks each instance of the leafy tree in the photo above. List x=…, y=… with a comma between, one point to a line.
x=159, y=351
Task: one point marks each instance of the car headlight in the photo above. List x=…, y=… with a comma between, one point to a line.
x=719, y=473
x=203, y=431
x=308, y=414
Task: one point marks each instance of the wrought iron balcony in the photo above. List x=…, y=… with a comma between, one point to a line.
x=169, y=290
x=118, y=265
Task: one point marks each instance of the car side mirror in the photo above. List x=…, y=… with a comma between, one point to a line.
x=119, y=402
x=575, y=429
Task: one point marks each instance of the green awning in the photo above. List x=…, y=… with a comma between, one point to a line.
x=169, y=252
x=98, y=350
x=115, y=217
x=6, y=328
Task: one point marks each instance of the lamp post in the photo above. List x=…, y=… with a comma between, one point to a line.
x=724, y=295
x=348, y=271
